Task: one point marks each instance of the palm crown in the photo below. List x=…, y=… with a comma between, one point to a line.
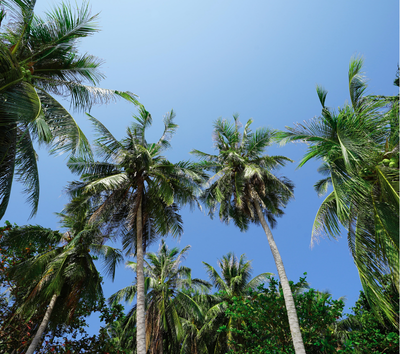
x=359, y=149
x=134, y=172
x=242, y=174
x=65, y=277
x=235, y=278
x=234, y=282
x=166, y=299
x=39, y=59
x=67, y=270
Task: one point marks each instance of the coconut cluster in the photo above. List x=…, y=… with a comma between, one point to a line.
x=393, y=162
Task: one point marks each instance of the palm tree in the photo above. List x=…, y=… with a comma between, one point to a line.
x=166, y=300
x=137, y=191
x=234, y=282
x=14, y=334
x=246, y=190
x=63, y=276
x=122, y=335
x=39, y=59
x=359, y=149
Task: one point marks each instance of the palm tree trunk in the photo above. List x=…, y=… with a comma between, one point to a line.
x=140, y=306
x=287, y=293
x=42, y=326
x=162, y=342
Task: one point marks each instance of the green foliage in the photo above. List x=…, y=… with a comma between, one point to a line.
x=132, y=171
x=261, y=324
x=17, y=328
x=74, y=339
x=363, y=332
x=168, y=303
x=359, y=150
x=243, y=175
x=234, y=282
x=135, y=190
x=39, y=59
x=245, y=189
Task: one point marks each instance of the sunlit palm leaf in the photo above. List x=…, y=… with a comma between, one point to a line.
x=108, y=146
x=26, y=168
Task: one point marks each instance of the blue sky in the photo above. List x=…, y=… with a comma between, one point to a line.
x=209, y=59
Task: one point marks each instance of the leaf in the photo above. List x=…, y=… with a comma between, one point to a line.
x=26, y=168
x=326, y=219
x=322, y=95
x=68, y=137
x=8, y=150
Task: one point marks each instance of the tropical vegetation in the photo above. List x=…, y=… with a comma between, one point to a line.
x=39, y=59
x=167, y=301
x=245, y=189
x=136, y=192
x=362, y=331
x=234, y=282
x=264, y=327
x=131, y=193
x=242, y=315
x=359, y=150
x=64, y=275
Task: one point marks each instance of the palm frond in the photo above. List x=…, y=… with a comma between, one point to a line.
x=169, y=129
x=357, y=85
x=143, y=121
x=111, y=258
x=8, y=151
x=202, y=155
x=68, y=137
x=215, y=277
x=72, y=67
x=26, y=169
x=21, y=237
x=82, y=166
x=321, y=187
x=261, y=139
x=107, y=183
x=326, y=219
x=19, y=103
x=322, y=95
x=83, y=97
x=61, y=28
x=258, y=280
x=108, y=146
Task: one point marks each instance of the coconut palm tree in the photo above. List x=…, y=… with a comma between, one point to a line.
x=234, y=281
x=16, y=327
x=359, y=149
x=122, y=335
x=39, y=59
x=166, y=300
x=245, y=190
x=137, y=191
x=63, y=276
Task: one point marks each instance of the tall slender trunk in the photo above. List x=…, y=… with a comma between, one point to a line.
x=162, y=342
x=287, y=293
x=42, y=326
x=140, y=306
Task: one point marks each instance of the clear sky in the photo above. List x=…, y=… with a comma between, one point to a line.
x=212, y=58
